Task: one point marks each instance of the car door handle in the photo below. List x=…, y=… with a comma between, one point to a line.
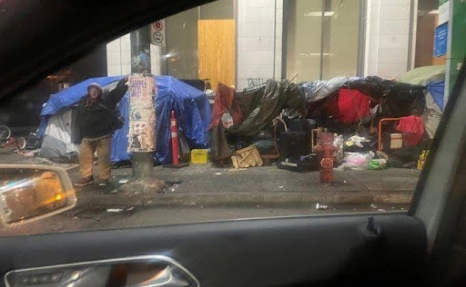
x=163, y=278
x=143, y=271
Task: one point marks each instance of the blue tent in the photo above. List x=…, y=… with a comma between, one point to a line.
x=69, y=97
x=191, y=108
x=437, y=90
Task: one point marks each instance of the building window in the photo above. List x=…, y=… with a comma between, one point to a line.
x=322, y=39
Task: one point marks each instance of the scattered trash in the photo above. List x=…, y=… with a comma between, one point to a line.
x=30, y=153
x=344, y=181
x=382, y=154
x=356, y=140
x=321, y=206
x=218, y=173
x=338, y=144
x=247, y=157
x=356, y=161
x=115, y=210
x=123, y=181
x=377, y=164
x=281, y=186
x=227, y=120
x=373, y=206
x=381, y=210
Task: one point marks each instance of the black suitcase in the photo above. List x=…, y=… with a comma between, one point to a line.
x=294, y=144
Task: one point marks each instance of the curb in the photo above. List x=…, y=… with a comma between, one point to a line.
x=280, y=199
x=239, y=199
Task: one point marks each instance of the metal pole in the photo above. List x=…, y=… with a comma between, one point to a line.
x=362, y=38
x=142, y=162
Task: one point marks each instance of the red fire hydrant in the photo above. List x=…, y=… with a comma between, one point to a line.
x=324, y=150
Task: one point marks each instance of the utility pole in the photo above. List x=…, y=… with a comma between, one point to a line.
x=141, y=113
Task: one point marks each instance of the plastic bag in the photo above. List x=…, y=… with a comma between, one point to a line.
x=227, y=120
x=377, y=164
x=356, y=161
x=338, y=144
x=318, y=90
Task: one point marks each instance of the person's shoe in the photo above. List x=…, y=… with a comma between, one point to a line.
x=103, y=183
x=85, y=181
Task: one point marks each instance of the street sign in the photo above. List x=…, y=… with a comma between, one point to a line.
x=157, y=33
x=441, y=40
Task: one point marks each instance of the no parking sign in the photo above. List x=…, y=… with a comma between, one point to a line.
x=157, y=33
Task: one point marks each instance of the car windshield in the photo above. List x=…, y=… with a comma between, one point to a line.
x=243, y=109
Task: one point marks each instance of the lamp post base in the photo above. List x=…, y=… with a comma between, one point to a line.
x=142, y=164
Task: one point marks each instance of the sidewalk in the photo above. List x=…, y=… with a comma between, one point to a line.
x=203, y=185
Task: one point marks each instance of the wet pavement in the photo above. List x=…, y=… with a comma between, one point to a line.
x=200, y=193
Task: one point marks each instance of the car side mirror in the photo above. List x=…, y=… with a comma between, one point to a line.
x=32, y=192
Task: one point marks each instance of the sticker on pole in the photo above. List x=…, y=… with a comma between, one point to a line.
x=141, y=135
x=157, y=32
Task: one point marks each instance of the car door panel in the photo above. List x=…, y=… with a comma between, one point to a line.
x=269, y=252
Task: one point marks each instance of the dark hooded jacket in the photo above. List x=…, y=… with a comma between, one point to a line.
x=94, y=118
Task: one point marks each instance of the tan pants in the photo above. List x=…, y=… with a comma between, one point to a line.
x=88, y=148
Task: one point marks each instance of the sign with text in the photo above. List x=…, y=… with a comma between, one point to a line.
x=157, y=33
x=141, y=135
x=441, y=40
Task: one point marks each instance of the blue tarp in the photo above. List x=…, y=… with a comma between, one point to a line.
x=69, y=97
x=192, y=111
x=191, y=108
x=437, y=90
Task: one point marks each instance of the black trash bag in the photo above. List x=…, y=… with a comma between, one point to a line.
x=405, y=157
x=269, y=102
x=397, y=99
x=248, y=100
x=185, y=150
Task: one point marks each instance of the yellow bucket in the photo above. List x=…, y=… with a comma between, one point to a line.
x=199, y=156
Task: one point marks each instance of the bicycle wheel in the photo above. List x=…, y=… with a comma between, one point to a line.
x=5, y=133
x=21, y=143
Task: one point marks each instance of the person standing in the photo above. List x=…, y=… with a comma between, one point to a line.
x=96, y=121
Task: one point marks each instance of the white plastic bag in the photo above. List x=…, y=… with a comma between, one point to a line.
x=227, y=120
x=356, y=161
